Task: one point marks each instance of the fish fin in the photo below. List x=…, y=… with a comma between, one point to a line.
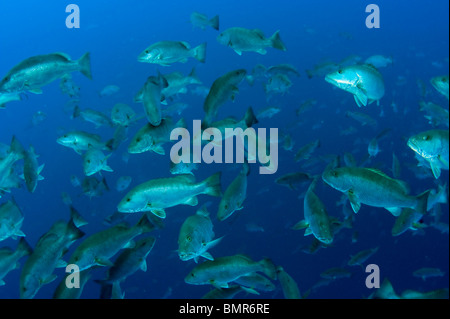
x=200, y=52
x=19, y=233
x=107, y=168
x=237, y=51
x=250, y=290
x=144, y=266
x=48, y=280
x=213, y=243
x=443, y=161
x=207, y=256
x=250, y=118
x=130, y=244
x=103, y=262
x=213, y=187
x=159, y=212
x=2, y=283
x=275, y=39
x=269, y=268
x=61, y=263
x=262, y=51
x=300, y=225
x=158, y=149
x=193, y=201
x=435, y=168
x=36, y=91
x=308, y=232
x=85, y=65
x=358, y=101
x=422, y=202
x=356, y=205
x=395, y=211
x=203, y=211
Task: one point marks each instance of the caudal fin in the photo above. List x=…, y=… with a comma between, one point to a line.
x=422, y=201
x=213, y=186
x=269, y=268
x=276, y=41
x=200, y=52
x=250, y=117
x=215, y=22
x=85, y=65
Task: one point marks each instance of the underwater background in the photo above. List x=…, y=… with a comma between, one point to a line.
x=414, y=33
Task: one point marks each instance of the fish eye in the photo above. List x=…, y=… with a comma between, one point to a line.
x=334, y=173
x=88, y=161
x=189, y=238
x=128, y=199
x=340, y=71
x=426, y=137
x=138, y=139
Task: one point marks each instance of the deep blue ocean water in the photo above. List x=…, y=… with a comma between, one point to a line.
x=414, y=33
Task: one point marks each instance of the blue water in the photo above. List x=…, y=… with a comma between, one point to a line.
x=415, y=33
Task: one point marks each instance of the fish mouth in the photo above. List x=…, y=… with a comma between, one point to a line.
x=329, y=78
x=412, y=145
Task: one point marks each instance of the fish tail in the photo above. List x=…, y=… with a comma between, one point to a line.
x=250, y=117
x=215, y=22
x=422, y=202
x=16, y=147
x=212, y=185
x=269, y=268
x=145, y=225
x=85, y=65
x=72, y=231
x=23, y=247
x=200, y=52
x=275, y=39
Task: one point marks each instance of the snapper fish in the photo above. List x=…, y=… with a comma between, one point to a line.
x=166, y=53
x=196, y=237
x=201, y=21
x=241, y=39
x=363, y=81
x=374, y=188
x=440, y=83
x=35, y=72
x=432, y=146
x=150, y=96
x=158, y=194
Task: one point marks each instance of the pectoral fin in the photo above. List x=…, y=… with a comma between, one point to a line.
x=356, y=205
x=360, y=98
x=159, y=212
x=435, y=168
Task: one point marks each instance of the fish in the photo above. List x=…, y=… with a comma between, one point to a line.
x=11, y=220
x=435, y=114
x=440, y=83
x=35, y=72
x=228, y=293
x=93, y=116
x=365, y=82
x=379, y=61
x=223, y=270
x=428, y=272
x=361, y=257
x=336, y=273
x=408, y=219
x=150, y=96
x=68, y=86
x=123, y=115
x=306, y=150
x=288, y=285
x=8, y=177
x=166, y=53
x=235, y=194
x=290, y=179
x=222, y=89
x=81, y=141
x=282, y=68
x=64, y=292
x=94, y=161
x=196, y=237
x=97, y=249
x=129, y=261
x=91, y=186
x=9, y=259
x=201, y=21
x=32, y=170
x=316, y=219
x=255, y=282
x=152, y=138
x=374, y=188
x=177, y=84
x=362, y=118
x=158, y=194
x=9, y=97
x=183, y=168
x=277, y=84
x=46, y=256
x=246, y=40
x=109, y=90
x=432, y=145
x=123, y=182
x=268, y=112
